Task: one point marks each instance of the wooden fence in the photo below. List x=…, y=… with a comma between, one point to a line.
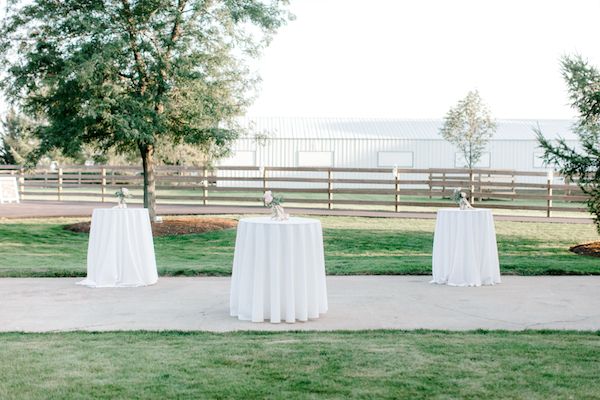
x=358, y=188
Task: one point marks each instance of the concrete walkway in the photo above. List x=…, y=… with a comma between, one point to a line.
x=357, y=302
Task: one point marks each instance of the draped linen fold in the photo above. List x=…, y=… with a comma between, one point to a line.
x=278, y=270
x=465, y=252
x=120, y=249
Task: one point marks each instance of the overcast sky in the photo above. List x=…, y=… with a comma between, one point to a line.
x=416, y=58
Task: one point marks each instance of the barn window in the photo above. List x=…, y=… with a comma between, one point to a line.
x=240, y=158
x=315, y=159
x=460, y=162
x=402, y=159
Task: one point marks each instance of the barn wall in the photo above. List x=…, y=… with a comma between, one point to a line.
x=504, y=154
x=363, y=153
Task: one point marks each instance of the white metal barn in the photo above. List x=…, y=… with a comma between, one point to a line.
x=379, y=143
x=373, y=143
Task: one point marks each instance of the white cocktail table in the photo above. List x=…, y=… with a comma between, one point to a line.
x=465, y=252
x=278, y=270
x=121, y=249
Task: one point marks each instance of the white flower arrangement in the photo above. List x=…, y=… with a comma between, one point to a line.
x=460, y=198
x=274, y=203
x=122, y=194
x=456, y=195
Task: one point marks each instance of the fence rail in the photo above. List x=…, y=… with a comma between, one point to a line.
x=361, y=188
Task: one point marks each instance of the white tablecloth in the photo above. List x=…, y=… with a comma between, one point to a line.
x=278, y=270
x=465, y=252
x=120, y=250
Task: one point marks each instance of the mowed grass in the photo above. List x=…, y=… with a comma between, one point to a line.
x=353, y=245
x=300, y=365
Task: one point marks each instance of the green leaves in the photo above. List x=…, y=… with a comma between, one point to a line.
x=16, y=139
x=122, y=73
x=469, y=126
x=580, y=164
x=583, y=82
x=131, y=74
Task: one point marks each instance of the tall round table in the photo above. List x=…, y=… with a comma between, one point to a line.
x=465, y=252
x=120, y=249
x=278, y=270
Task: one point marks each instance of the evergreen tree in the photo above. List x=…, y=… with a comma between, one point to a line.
x=580, y=164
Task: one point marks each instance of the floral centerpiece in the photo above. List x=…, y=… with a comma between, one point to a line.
x=460, y=198
x=121, y=195
x=274, y=203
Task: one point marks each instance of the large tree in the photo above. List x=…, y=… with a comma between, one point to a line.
x=580, y=164
x=123, y=74
x=469, y=126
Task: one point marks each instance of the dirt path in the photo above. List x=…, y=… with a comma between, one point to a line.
x=32, y=209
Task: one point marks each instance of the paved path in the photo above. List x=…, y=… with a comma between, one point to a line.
x=31, y=209
x=365, y=302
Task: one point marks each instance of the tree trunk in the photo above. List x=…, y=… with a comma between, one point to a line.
x=147, y=152
x=470, y=160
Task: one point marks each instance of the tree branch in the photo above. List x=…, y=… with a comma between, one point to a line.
x=166, y=59
x=137, y=55
x=176, y=31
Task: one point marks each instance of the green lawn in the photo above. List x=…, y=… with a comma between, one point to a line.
x=353, y=245
x=297, y=365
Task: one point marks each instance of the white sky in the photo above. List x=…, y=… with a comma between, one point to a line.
x=417, y=58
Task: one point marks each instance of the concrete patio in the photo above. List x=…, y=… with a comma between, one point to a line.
x=355, y=303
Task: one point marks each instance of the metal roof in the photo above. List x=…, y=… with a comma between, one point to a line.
x=376, y=128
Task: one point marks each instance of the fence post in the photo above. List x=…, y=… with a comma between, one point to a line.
x=329, y=189
x=397, y=188
x=103, y=182
x=60, y=183
x=204, y=185
x=22, y=182
x=430, y=184
x=514, y=189
x=443, y=183
x=479, y=186
x=549, y=201
x=265, y=177
x=471, y=186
